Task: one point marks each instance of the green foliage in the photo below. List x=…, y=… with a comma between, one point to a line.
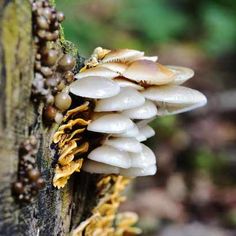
x=220, y=28
x=154, y=21
x=145, y=24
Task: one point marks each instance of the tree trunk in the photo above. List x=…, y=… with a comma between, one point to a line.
x=53, y=212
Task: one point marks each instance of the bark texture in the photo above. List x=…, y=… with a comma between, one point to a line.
x=53, y=212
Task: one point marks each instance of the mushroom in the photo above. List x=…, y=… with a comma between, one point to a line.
x=174, y=99
x=132, y=132
x=135, y=172
x=153, y=58
x=147, y=131
x=99, y=168
x=148, y=72
x=181, y=74
x=110, y=156
x=127, y=98
x=124, y=144
x=145, y=111
x=94, y=87
x=122, y=55
x=144, y=158
x=111, y=124
x=123, y=82
x=114, y=66
x=97, y=71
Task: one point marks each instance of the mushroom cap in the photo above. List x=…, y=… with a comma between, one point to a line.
x=174, y=94
x=148, y=58
x=123, y=82
x=124, y=144
x=148, y=72
x=95, y=87
x=181, y=74
x=110, y=156
x=126, y=99
x=122, y=55
x=97, y=71
x=135, y=172
x=147, y=131
x=132, y=132
x=114, y=66
x=111, y=124
x=143, y=123
x=141, y=138
x=145, y=111
x=144, y=158
x=99, y=168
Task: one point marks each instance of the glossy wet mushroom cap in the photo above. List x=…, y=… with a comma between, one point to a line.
x=111, y=124
x=110, y=156
x=127, y=98
x=94, y=87
x=148, y=72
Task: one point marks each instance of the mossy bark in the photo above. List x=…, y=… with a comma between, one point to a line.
x=53, y=212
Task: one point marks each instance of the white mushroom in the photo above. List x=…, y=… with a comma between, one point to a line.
x=125, y=144
x=147, y=131
x=99, y=168
x=111, y=124
x=152, y=58
x=148, y=72
x=111, y=156
x=95, y=87
x=122, y=55
x=144, y=158
x=135, y=172
x=126, y=99
x=174, y=99
x=127, y=83
x=141, y=137
x=114, y=66
x=132, y=132
x=181, y=74
x=143, y=123
x=145, y=111
x=97, y=71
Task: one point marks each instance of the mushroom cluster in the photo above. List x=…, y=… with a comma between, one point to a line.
x=105, y=220
x=129, y=89
x=29, y=180
x=53, y=67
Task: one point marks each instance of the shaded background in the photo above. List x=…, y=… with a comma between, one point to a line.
x=194, y=191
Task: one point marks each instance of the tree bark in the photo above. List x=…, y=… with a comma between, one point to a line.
x=53, y=212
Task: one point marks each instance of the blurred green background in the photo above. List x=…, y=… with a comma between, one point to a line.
x=194, y=191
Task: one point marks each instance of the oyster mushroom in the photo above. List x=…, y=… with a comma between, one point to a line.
x=110, y=156
x=147, y=131
x=111, y=123
x=114, y=66
x=94, y=87
x=122, y=55
x=97, y=71
x=144, y=158
x=132, y=132
x=145, y=111
x=124, y=144
x=153, y=58
x=135, y=172
x=127, y=98
x=148, y=72
x=174, y=99
x=127, y=83
x=181, y=74
x=99, y=168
